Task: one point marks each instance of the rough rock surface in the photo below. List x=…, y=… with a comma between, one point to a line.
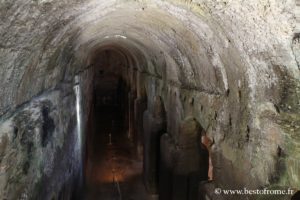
x=33, y=144
x=233, y=65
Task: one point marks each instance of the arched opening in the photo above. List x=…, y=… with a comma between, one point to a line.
x=113, y=168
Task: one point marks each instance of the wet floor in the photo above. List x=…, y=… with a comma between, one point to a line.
x=113, y=171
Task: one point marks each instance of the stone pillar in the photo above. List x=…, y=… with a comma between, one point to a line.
x=125, y=108
x=131, y=99
x=154, y=126
x=167, y=152
x=140, y=105
x=191, y=163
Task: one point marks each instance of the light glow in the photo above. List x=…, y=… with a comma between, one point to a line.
x=115, y=36
x=78, y=110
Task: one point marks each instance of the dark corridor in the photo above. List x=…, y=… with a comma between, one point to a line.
x=113, y=167
x=126, y=155
x=113, y=170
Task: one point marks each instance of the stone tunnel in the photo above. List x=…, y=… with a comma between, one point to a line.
x=149, y=99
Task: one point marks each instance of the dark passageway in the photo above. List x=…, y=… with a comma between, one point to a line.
x=113, y=167
x=125, y=150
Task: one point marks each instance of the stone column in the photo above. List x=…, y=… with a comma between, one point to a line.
x=131, y=99
x=167, y=152
x=140, y=105
x=191, y=163
x=154, y=126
